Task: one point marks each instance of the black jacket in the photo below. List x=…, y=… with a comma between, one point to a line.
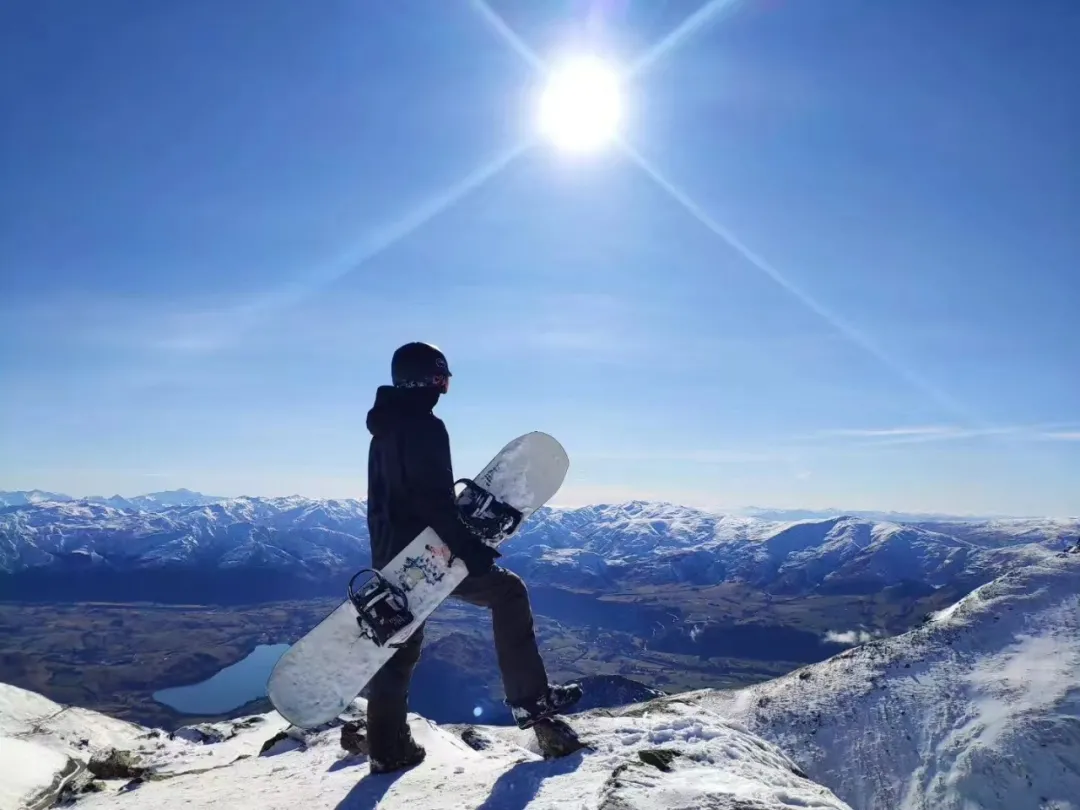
x=410, y=478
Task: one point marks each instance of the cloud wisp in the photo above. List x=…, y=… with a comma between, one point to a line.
x=910, y=434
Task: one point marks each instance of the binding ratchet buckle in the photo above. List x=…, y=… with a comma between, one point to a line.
x=382, y=607
x=487, y=516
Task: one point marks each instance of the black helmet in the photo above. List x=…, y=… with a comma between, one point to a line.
x=419, y=365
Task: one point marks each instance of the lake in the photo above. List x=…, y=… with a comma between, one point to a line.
x=229, y=688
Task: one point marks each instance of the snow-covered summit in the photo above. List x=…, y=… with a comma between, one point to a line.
x=658, y=761
x=977, y=709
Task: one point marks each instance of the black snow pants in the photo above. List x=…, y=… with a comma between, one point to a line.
x=523, y=674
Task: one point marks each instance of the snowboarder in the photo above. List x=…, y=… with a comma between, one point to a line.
x=411, y=487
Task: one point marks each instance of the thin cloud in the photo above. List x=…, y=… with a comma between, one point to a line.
x=1061, y=436
x=927, y=430
x=690, y=457
x=910, y=434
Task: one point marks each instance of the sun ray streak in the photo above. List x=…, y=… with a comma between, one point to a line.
x=705, y=15
x=760, y=264
x=498, y=24
x=248, y=315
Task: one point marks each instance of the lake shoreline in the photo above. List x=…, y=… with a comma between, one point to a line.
x=228, y=688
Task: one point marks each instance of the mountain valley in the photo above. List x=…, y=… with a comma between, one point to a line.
x=104, y=605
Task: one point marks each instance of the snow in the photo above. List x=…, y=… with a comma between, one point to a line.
x=26, y=770
x=979, y=709
x=39, y=736
x=29, y=716
x=713, y=764
x=20, y=709
x=718, y=765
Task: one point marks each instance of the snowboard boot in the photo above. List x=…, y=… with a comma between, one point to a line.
x=405, y=753
x=557, y=698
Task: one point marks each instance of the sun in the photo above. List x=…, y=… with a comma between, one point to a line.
x=581, y=104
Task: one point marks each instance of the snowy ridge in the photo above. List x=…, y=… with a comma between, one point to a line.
x=657, y=543
x=44, y=745
x=977, y=708
x=631, y=543
x=663, y=760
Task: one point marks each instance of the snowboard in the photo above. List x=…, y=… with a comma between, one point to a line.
x=324, y=671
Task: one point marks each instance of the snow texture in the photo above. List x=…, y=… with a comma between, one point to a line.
x=660, y=761
x=26, y=771
x=323, y=671
x=978, y=709
x=43, y=745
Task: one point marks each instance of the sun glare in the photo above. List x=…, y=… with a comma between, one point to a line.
x=581, y=105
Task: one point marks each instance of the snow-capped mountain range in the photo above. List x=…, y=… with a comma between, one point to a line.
x=636, y=543
x=977, y=709
x=151, y=502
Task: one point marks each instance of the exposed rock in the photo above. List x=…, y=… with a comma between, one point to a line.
x=660, y=758
x=203, y=733
x=115, y=764
x=353, y=738
x=557, y=738
x=281, y=743
x=475, y=739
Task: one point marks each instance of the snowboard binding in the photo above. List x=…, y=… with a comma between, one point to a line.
x=488, y=517
x=382, y=607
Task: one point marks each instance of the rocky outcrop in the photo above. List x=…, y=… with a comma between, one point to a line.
x=116, y=764
x=354, y=737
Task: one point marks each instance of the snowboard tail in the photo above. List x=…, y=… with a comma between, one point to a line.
x=321, y=674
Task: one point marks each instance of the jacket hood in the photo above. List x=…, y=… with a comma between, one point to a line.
x=395, y=407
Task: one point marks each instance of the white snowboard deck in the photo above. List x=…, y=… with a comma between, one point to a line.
x=317, y=678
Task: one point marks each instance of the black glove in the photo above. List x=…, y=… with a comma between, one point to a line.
x=479, y=558
x=477, y=555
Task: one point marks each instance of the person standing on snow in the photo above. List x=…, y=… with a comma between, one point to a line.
x=411, y=487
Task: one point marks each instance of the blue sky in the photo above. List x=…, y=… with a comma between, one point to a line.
x=207, y=248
